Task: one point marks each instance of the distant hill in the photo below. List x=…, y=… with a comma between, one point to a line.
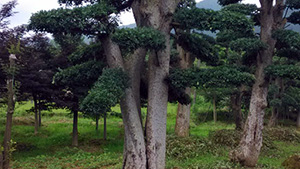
x=209, y=4
x=213, y=4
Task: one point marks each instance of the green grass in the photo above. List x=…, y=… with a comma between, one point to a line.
x=51, y=147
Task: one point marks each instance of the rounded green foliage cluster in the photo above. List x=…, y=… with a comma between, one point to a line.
x=131, y=39
x=222, y=76
x=195, y=18
x=199, y=45
x=247, y=44
x=287, y=39
x=244, y=9
x=88, y=20
x=106, y=92
x=283, y=71
x=227, y=20
x=75, y=75
x=85, y=53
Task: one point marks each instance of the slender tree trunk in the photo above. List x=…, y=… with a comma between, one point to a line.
x=36, y=118
x=97, y=123
x=40, y=113
x=273, y=118
x=9, y=115
x=249, y=148
x=214, y=109
x=236, y=103
x=104, y=128
x=298, y=119
x=183, y=111
x=75, y=127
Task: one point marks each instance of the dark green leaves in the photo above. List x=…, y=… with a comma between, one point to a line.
x=293, y=4
x=87, y=72
x=88, y=20
x=106, y=92
x=227, y=2
x=131, y=39
x=245, y=9
x=212, y=77
x=198, y=44
x=284, y=71
x=287, y=38
x=247, y=44
x=294, y=18
x=195, y=18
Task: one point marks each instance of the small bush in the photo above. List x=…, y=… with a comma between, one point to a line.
x=282, y=134
x=189, y=147
x=231, y=138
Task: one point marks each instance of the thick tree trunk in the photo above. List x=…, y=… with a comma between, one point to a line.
x=9, y=115
x=104, y=128
x=236, y=103
x=36, y=118
x=249, y=148
x=75, y=128
x=298, y=119
x=134, y=155
x=183, y=111
x=182, y=127
x=214, y=109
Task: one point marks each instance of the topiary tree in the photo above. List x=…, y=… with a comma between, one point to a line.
x=249, y=148
x=95, y=19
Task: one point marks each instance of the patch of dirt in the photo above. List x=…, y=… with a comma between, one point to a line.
x=24, y=121
x=293, y=162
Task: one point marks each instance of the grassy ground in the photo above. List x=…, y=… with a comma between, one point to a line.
x=51, y=147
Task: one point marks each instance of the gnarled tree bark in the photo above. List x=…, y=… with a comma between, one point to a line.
x=134, y=155
x=249, y=147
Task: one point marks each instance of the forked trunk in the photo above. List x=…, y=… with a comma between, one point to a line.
x=9, y=115
x=134, y=156
x=249, y=148
x=75, y=128
x=36, y=118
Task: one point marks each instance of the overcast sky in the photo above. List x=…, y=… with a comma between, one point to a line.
x=26, y=7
